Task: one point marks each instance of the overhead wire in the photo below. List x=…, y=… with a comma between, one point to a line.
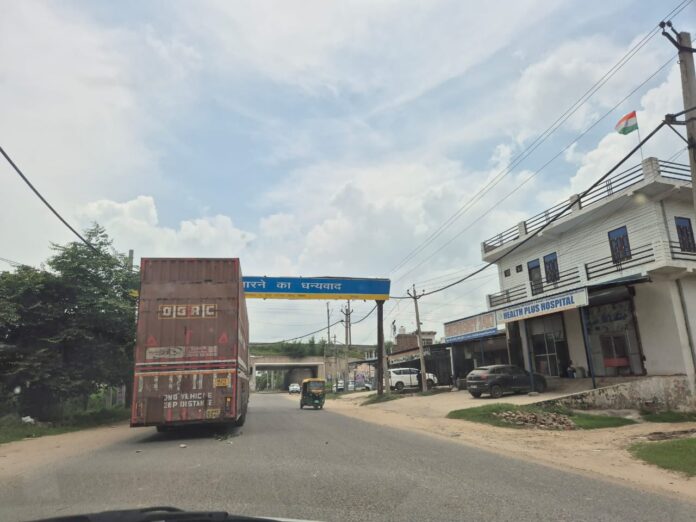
x=541, y=138
x=45, y=202
x=539, y=170
x=552, y=220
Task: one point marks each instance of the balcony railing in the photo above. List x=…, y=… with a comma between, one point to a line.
x=639, y=256
x=570, y=277
x=672, y=170
x=565, y=279
x=615, y=183
x=679, y=252
x=612, y=185
x=507, y=296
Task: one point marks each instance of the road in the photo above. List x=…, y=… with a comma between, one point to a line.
x=320, y=465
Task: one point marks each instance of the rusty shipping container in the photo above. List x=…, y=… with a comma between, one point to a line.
x=191, y=353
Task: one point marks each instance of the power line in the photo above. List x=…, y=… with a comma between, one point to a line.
x=541, y=138
x=45, y=202
x=535, y=173
x=320, y=329
x=556, y=217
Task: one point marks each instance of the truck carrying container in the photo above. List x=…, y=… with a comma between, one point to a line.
x=191, y=353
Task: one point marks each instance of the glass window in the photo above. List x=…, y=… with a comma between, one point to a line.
x=518, y=268
x=551, y=267
x=507, y=272
x=619, y=245
x=534, y=269
x=685, y=234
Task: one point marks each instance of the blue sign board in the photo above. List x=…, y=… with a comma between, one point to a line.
x=322, y=288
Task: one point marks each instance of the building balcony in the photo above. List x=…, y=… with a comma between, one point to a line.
x=566, y=280
x=651, y=178
x=608, y=265
x=682, y=252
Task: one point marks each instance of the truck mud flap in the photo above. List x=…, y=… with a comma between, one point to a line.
x=154, y=410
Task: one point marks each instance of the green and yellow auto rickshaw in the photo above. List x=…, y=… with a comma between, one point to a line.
x=313, y=393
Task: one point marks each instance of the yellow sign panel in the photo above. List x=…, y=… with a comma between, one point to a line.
x=222, y=382
x=212, y=413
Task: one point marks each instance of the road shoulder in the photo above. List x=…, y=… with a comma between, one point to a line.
x=598, y=453
x=23, y=456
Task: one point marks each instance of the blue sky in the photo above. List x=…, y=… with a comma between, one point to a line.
x=315, y=138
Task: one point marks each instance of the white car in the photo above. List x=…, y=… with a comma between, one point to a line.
x=400, y=378
x=294, y=388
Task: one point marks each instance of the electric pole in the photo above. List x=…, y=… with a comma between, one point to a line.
x=346, y=347
x=424, y=378
x=688, y=78
x=328, y=336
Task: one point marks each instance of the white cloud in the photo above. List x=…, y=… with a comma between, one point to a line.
x=78, y=112
x=134, y=224
x=389, y=47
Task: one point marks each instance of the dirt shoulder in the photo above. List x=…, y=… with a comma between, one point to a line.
x=22, y=456
x=601, y=452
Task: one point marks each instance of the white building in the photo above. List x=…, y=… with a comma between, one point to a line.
x=620, y=266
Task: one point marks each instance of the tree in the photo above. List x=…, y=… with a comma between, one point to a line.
x=66, y=330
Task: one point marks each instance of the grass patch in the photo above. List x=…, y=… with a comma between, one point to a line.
x=12, y=428
x=434, y=391
x=375, y=399
x=670, y=416
x=587, y=421
x=675, y=455
x=484, y=415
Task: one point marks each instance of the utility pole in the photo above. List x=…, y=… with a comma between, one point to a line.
x=346, y=347
x=688, y=78
x=424, y=378
x=328, y=336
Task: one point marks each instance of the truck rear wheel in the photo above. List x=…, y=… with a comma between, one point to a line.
x=240, y=421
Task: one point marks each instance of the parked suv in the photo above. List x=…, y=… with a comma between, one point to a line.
x=500, y=378
x=400, y=378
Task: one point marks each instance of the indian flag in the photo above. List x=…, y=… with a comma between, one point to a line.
x=627, y=124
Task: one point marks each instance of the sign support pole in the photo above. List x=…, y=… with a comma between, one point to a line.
x=380, y=347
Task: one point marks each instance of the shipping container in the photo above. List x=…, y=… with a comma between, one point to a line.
x=192, y=349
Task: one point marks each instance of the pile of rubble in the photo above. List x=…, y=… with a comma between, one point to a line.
x=542, y=421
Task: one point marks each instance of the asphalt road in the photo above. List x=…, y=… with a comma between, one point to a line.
x=319, y=465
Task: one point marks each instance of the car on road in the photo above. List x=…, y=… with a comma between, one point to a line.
x=294, y=388
x=351, y=385
x=400, y=378
x=341, y=386
x=498, y=379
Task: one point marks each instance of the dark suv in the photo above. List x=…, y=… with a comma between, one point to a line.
x=501, y=378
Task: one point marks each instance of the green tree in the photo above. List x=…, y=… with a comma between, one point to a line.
x=67, y=329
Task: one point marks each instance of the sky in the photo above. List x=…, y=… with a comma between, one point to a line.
x=320, y=138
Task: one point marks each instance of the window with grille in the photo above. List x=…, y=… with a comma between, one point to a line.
x=685, y=234
x=551, y=268
x=619, y=245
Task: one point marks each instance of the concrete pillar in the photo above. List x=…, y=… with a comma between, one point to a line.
x=683, y=333
x=651, y=169
x=522, y=229
x=575, y=201
x=525, y=345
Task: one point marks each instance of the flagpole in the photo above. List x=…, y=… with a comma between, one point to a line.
x=639, y=140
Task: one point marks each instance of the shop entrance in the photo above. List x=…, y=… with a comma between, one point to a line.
x=549, y=346
x=614, y=339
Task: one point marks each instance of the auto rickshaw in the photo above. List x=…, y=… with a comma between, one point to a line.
x=313, y=393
